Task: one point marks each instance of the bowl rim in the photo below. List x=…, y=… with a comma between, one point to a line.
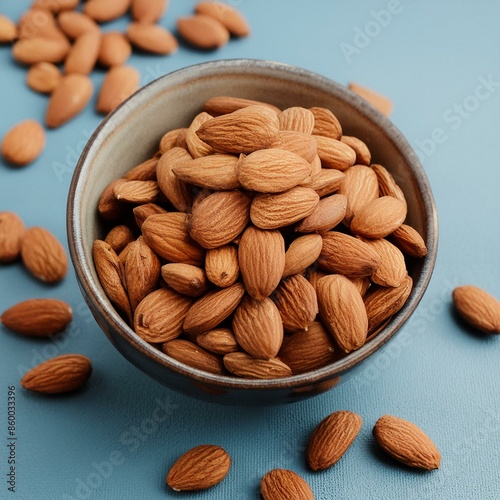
x=95, y=294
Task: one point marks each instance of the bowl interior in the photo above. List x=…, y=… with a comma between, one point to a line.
x=132, y=132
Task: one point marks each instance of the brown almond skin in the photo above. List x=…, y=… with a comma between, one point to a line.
x=246, y=366
x=148, y=11
x=119, y=83
x=37, y=317
x=476, y=306
x=386, y=183
x=326, y=123
x=409, y=241
x=221, y=265
x=329, y=212
x=109, y=207
x=327, y=182
x=142, y=212
x=196, y=146
x=378, y=101
x=43, y=77
x=144, y=171
x=58, y=375
x=283, y=484
x=8, y=30
x=222, y=105
x=12, y=230
x=304, y=145
x=23, y=143
x=185, y=279
x=219, y=341
x=43, y=255
x=363, y=155
x=297, y=119
x=199, y=468
x=231, y=18
x=202, y=31
x=105, y=10
x=40, y=49
x=331, y=438
x=75, y=24
x=119, y=237
x=193, y=355
x=406, y=442
x=302, y=252
x=261, y=255
x=392, y=270
x=83, y=54
x=115, y=49
x=138, y=192
x=334, y=153
x=152, y=38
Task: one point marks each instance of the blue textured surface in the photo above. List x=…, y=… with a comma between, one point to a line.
x=118, y=437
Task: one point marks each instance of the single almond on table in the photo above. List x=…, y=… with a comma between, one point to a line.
x=261, y=256
x=43, y=255
x=222, y=105
x=409, y=241
x=8, y=30
x=219, y=341
x=363, y=155
x=12, y=230
x=37, y=317
x=160, y=315
x=231, y=18
x=83, y=54
x=284, y=484
x=148, y=11
x=40, y=49
x=343, y=312
x=221, y=265
x=406, y=442
x=193, y=355
x=329, y=212
x=202, y=31
x=68, y=99
x=199, y=468
x=297, y=119
x=185, y=279
x=242, y=131
x=105, y=10
x=258, y=328
x=119, y=83
x=297, y=303
x=331, y=438
x=246, y=366
x=378, y=101
x=75, y=24
x=302, y=252
x=43, y=77
x=476, y=306
x=115, y=49
x=58, y=375
x=334, y=153
x=152, y=38
x=326, y=124
x=308, y=350
x=23, y=143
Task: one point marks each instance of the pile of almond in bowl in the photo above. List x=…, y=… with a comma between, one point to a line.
x=265, y=243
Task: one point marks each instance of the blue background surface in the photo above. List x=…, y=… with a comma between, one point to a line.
x=103, y=443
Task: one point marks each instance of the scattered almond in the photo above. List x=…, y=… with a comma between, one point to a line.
x=231, y=18
x=43, y=77
x=83, y=54
x=115, y=49
x=8, y=30
x=119, y=83
x=151, y=38
x=40, y=49
x=23, y=143
x=148, y=11
x=377, y=100
x=283, y=484
x=202, y=31
x=12, y=230
x=74, y=23
x=106, y=10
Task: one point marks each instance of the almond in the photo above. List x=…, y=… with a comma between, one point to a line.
x=363, y=155
x=185, y=279
x=12, y=230
x=272, y=170
x=221, y=265
x=222, y=105
x=283, y=484
x=326, y=123
x=273, y=211
x=406, y=442
x=167, y=234
x=213, y=308
x=219, y=341
x=148, y=11
x=171, y=139
x=379, y=218
x=39, y=23
x=231, y=18
x=360, y=186
x=58, y=375
x=106, y=10
x=327, y=182
x=202, y=31
x=378, y=101
x=144, y=171
x=199, y=468
x=68, y=99
x=344, y=254
x=313, y=276
x=308, y=350
x=152, y=38
x=258, y=328
x=381, y=303
x=343, y=312
x=331, y=438
x=193, y=355
x=177, y=191
x=37, y=317
x=261, y=256
x=83, y=54
x=40, y=49
x=297, y=303
x=109, y=207
x=409, y=241
x=23, y=143
x=301, y=253
x=43, y=255
x=242, y=131
x=8, y=30
x=115, y=49
x=196, y=147
x=387, y=184
x=244, y=365
x=75, y=24
x=478, y=308
x=160, y=315
x=304, y=145
x=119, y=84
x=218, y=171
x=142, y=212
x=119, y=237
x=297, y=119
x=220, y=218
x=329, y=212
x=109, y=271
x=55, y=6
x=43, y=77
x=138, y=192
x=334, y=153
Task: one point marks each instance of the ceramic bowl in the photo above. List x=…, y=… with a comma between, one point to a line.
x=131, y=134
